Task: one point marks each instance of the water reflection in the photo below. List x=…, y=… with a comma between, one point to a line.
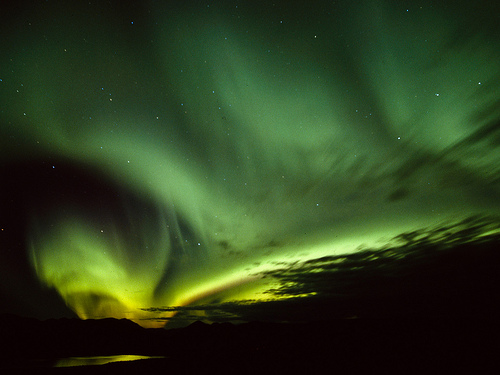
x=99, y=360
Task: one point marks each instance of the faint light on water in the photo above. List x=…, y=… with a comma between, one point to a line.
x=99, y=360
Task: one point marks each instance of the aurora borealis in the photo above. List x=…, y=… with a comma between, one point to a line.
x=161, y=158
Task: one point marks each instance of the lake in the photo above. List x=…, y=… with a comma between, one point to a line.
x=99, y=360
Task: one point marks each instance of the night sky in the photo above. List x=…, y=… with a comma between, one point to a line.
x=233, y=161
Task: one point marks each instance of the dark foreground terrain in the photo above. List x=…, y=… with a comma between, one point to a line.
x=342, y=346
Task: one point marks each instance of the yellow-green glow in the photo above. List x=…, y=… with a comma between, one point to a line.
x=93, y=270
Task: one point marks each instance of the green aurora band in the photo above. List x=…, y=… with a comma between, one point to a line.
x=239, y=137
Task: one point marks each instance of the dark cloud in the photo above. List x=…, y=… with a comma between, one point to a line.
x=449, y=269
x=489, y=133
x=398, y=194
